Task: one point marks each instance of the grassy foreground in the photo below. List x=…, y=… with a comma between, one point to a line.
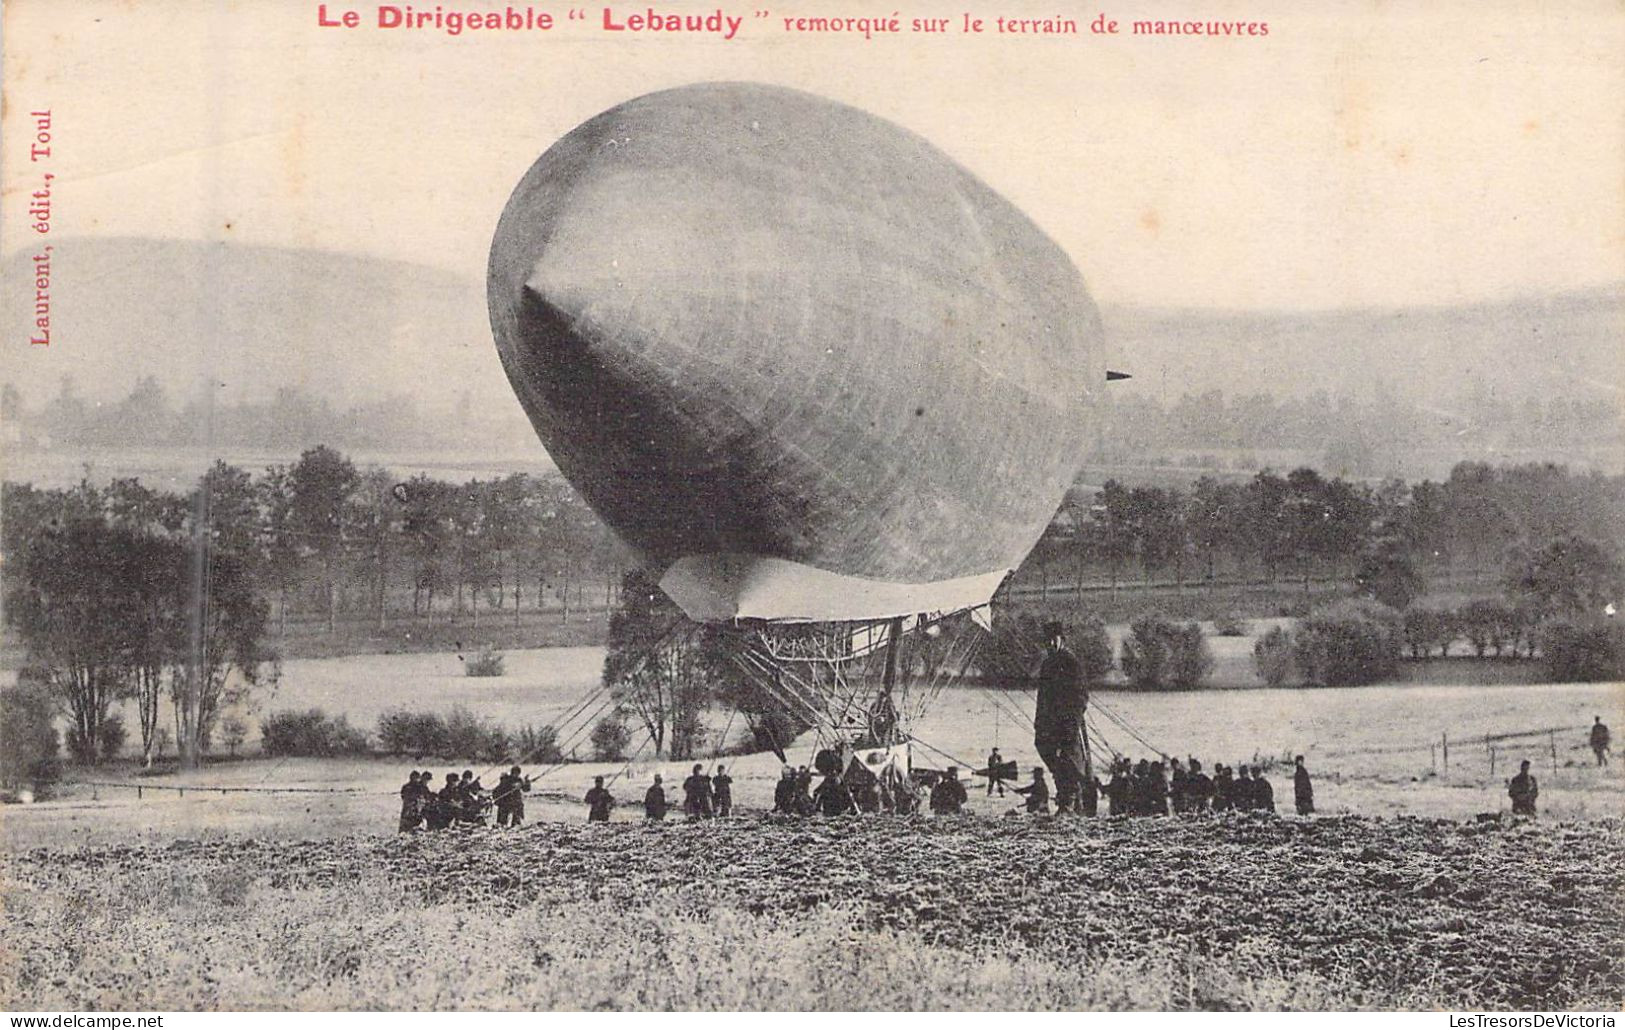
x=887, y=914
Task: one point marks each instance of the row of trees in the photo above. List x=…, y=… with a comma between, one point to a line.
x=126, y=592
x=1390, y=535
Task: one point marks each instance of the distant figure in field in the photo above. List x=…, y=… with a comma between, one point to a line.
x=697, y=794
x=1303, y=792
x=654, y=801
x=1178, y=789
x=948, y=794
x=1089, y=795
x=1600, y=739
x=1037, y=793
x=784, y=792
x=1523, y=790
x=599, y=801
x=722, y=793
x=411, y=803
x=1156, y=791
x=1058, y=717
x=1119, y=791
x=833, y=798
x=1241, y=791
x=995, y=781
x=510, y=798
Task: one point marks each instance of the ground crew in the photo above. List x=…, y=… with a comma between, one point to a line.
x=1523, y=790
x=1058, y=717
x=1303, y=792
x=1037, y=793
x=510, y=798
x=1600, y=739
x=599, y=801
x=654, y=801
x=697, y=794
x=1263, y=793
x=722, y=792
x=443, y=807
x=1224, y=788
x=948, y=794
x=805, y=804
x=1199, y=787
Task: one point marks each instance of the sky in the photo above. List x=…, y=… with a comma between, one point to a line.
x=1362, y=154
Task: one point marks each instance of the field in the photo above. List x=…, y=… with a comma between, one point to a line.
x=1240, y=912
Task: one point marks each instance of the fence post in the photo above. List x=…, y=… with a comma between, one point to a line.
x=1492, y=759
x=1552, y=738
x=138, y=792
x=1433, y=757
x=1444, y=744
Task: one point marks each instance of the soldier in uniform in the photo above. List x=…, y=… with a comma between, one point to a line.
x=1523, y=790
x=1037, y=793
x=1199, y=787
x=410, y=804
x=599, y=801
x=654, y=801
x=1263, y=793
x=697, y=794
x=1303, y=791
x=994, y=780
x=1119, y=792
x=832, y=797
x=1223, y=788
x=510, y=798
x=1058, y=717
x=784, y=792
x=1177, y=793
x=722, y=792
x=948, y=794
x=443, y=808
x=1600, y=739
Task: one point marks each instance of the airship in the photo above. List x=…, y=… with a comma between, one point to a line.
x=804, y=363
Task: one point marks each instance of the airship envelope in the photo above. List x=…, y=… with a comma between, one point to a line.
x=804, y=363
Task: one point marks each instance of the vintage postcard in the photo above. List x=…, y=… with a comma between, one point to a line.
x=519, y=506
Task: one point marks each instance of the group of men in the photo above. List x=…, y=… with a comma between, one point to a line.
x=462, y=800
x=704, y=797
x=835, y=794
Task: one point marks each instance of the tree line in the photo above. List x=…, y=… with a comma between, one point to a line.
x=127, y=592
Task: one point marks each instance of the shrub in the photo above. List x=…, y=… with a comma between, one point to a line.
x=1351, y=642
x=1159, y=653
x=28, y=739
x=473, y=736
x=1087, y=639
x=539, y=744
x=610, y=738
x=487, y=663
x=310, y=734
x=1427, y=628
x=1272, y=656
x=1583, y=650
x=413, y=733
x=233, y=731
x=114, y=734
x=1229, y=624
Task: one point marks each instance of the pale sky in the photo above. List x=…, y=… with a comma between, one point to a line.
x=1362, y=154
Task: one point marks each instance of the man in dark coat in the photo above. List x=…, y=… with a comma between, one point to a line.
x=784, y=792
x=411, y=804
x=654, y=801
x=510, y=798
x=1119, y=792
x=697, y=794
x=994, y=780
x=1242, y=798
x=1224, y=788
x=722, y=793
x=1037, y=793
x=1058, y=717
x=444, y=807
x=1263, y=793
x=833, y=797
x=599, y=801
x=1523, y=790
x=948, y=794
x=1303, y=791
x=805, y=803
x=1198, y=787
x=1600, y=739
x=1178, y=795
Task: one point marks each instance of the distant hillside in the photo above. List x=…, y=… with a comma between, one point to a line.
x=356, y=330
x=1570, y=345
